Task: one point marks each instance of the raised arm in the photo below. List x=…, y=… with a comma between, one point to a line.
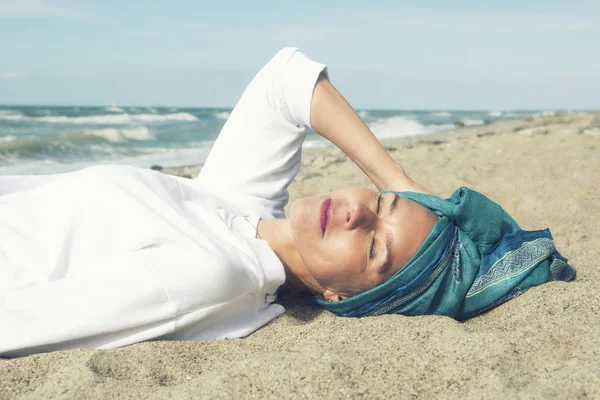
x=257, y=153
x=333, y=118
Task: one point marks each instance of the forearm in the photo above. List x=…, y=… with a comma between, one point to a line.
x=333, y=118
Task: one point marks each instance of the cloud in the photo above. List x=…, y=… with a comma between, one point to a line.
x=37, y=9
x=8, y=75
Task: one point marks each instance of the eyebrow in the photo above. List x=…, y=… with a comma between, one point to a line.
x=388, y=240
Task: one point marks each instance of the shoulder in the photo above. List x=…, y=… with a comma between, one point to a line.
x=201, y=275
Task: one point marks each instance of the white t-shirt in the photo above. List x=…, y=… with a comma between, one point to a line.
x=113, y=255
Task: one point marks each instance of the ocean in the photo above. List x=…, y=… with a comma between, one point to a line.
x=43, y=140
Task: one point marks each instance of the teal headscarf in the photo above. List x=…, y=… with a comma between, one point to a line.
x=475, y=258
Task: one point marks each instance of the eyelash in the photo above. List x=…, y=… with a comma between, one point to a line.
x=372, y=247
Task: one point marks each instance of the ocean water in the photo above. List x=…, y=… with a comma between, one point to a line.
x=42, y=140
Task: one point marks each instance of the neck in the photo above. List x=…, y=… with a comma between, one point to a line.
x=278, y=235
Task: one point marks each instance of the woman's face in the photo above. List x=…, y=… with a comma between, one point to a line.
x=355, y=239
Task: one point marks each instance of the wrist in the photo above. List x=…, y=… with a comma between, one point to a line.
x=396, y=178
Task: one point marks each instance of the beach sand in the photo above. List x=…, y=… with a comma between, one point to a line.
x=544, y=171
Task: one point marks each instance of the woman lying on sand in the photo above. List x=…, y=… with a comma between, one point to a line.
x=113, y=255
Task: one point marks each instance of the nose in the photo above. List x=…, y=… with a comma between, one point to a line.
x=357, y=215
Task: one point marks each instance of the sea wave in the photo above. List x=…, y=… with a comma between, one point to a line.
x=114, y=109
x=8, y=112
x=194, y=153
x=117, y=119
x=440, y=127
x=72, y=144
x=441, y=114
x=113, y=135
x=8, y=138
x=8, y=115
x=397, y=126
x=472, y=122
x=18, y=147
x=495, y=113
x=222, y=115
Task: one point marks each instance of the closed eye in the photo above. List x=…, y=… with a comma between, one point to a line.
x=372, y=247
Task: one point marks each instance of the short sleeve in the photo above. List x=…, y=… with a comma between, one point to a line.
x=258, y=151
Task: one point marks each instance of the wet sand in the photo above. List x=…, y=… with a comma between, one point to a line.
x=544, y=171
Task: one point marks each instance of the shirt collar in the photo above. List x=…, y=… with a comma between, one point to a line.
x=271, y=265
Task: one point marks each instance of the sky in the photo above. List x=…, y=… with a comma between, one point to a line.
x=380, y=54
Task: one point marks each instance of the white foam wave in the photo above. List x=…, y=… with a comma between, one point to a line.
x=195, y=153
x=495, y=113
x=396, y=127
x=441, y=127
x=182, y=116
x=118, y=119
x=113, y=135
x=441, y=114
x=363, y=114
x=8, y=138
x=114, y=109
x=223, y=115
x=472, y=122
x=7, y=115
x=548, y=113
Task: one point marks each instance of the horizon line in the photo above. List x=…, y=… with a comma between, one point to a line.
x=565, y=109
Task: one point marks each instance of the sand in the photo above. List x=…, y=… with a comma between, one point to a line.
x=545, y=171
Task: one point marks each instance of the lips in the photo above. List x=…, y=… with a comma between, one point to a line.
x=325, y=215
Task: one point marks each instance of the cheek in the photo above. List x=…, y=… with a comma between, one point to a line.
x=336, y=263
